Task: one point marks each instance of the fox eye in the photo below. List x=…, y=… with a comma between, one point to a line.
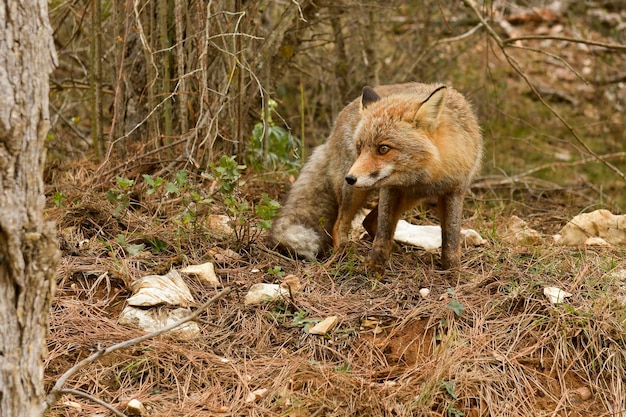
x=383, y=149
x=359, y=146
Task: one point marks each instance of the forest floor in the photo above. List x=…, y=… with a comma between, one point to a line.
x=486, y=341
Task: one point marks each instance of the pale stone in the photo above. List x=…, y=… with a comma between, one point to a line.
x=204, y=272
x=262, y=293
x=323, y=327
x=156, y=318
x=600, y=223
x=256, y=395
x=135, y=408
x=556, y=295
x=153, y=290
x=516, y=231
x=429, y=237
x=220, y=224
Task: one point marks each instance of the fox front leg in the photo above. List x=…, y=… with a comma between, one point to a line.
x=351, y=202
x=389, y=211
x=450, y=212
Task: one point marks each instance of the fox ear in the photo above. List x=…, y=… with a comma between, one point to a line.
x=368, y=97
x=430, y=109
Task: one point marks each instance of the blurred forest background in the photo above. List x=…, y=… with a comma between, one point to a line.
x=155, y=86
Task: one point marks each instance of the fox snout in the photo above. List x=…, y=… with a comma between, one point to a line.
x=350, y=179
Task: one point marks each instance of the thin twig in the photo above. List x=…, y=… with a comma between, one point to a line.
x=555, y=56
x=459, y=37
x=566, y=39
x=57, y=390
x=94, y=399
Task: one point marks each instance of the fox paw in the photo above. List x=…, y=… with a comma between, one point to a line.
x=375, y=269
x=450, y=262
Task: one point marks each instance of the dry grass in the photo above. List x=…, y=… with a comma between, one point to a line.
x=508, y=353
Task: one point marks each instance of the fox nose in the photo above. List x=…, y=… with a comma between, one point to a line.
x=350, y=179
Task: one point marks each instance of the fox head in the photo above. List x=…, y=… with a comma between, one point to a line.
x=394, y=139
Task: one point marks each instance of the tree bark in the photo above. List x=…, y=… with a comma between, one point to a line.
x=28, y=247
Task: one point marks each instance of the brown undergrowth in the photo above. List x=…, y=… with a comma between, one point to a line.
x=484, y=342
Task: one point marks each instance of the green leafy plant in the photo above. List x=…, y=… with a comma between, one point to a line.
x=228, y=174
x=454, y=305
x=276, y=271
x=179, y=187
x=172, y=187
x=300, y=319
x=451, y=410
x=131, y=249
x=158, y=245
x=58, y=199
x=281, y=148
x=120, y=196
x=266, y=211
x=153, y=183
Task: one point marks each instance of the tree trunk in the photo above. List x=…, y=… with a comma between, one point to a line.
x=28, y=247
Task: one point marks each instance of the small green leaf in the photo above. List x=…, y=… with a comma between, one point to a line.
x=135, y=249
x=124, y=182
x=121, y=240
x=58, y=198
x=456, y=306
x=148, y=179
x=181, y=178
x=171, y=188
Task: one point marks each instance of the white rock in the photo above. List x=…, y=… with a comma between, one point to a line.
x=555, y=295
x=291, y=283
x=153, y=290
x=262, y=293
x=517, y=231
x=220, y=224
x=205, y=273
x=77, y=406
x=429, y=237
x=599, y=223
x=135, y=408
x=256, y=395
x=596, y=241
x=221, y=256
x=156, y=318
x=323, y=327
x=471, y=237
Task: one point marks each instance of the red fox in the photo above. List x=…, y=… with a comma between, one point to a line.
x=408, y=141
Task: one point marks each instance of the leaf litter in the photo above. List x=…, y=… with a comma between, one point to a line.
x=485, y=341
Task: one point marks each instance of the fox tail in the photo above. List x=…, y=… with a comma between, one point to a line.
x=304, y=223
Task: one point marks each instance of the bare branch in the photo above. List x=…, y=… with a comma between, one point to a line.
x=615, y=46
x=94, y=399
